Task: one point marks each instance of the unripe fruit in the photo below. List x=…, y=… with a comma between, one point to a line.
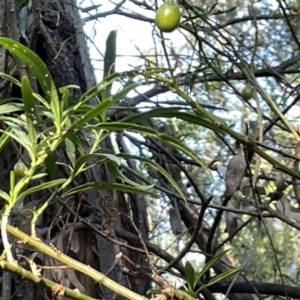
x=20, y=169
x=276, y=14
x=167, y=17
x=247, y=93
x=295, y=8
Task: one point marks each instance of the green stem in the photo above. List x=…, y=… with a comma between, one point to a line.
x=27, y=275
x=74, y=264
x=5, y=241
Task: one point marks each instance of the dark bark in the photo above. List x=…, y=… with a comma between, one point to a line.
x=250, y=287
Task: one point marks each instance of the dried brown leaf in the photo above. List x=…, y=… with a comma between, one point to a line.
x=231, y=221
x=284, y=206
x=234, y=174
x=175, y=221
x=280, y=183
x=75, y=243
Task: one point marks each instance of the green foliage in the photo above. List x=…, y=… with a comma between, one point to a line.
x=193, y=279
x=67, y=121
x=109, y=60
x=200, y=125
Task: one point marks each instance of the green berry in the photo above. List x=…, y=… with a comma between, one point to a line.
x=20, y=169
x=167, y=17
x=247, y=93
x=276, y=14
x=295, y=8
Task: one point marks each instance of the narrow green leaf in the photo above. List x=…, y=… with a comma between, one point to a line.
x=4, y=196
x=103, y=152
x=113, y=158
x=180, y=146
x=83, y=159
x=27, y=98
x=224, y=275
x=51, y=166
x=119, y=126
x=42, y=101
x=158, y=168
x=114, y=170
x=41, y=72
x=225, y=11
x=93, y=113
x=189, y=293
x=102, y=107
x=4, y=139
x=120, y=95
x=9, y=108
x=106, y=186
x=173, y=113
x=38, y=176
x=76, y=141
x=109, y=60
x=212, y=8
x=13, y=122
x=11, y=100
x=113, y=77
x=40, y=187
x=11, y=79
x=30, y=112
x=220, y=277
x=64, y=98
x=190, y=275
x=12, y=181
x=209, y=265
x=65, y=91
x=70, y=149
x=21, y=138
x=153, y=291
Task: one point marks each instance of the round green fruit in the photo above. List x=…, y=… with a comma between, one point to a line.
x=276, y=14
x=295, y=8
x=167, y=17
x=20, y=169
x=247, y=93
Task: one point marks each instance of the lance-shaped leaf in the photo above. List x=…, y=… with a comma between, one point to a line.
x=9, y=108
x=102, y=107
x=209, y=265
x=173, y=113
x=156, y=167
x=94, y=91
x=40, y=187
x=149, y=132
x=41, y=72
x=109, y=60
x=114, y=170
x=234, y=173
x=106, y=186
x=30, y=111
x=220, y=277
x=189, y=275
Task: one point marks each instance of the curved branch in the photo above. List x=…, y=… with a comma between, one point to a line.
x=242, y=287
